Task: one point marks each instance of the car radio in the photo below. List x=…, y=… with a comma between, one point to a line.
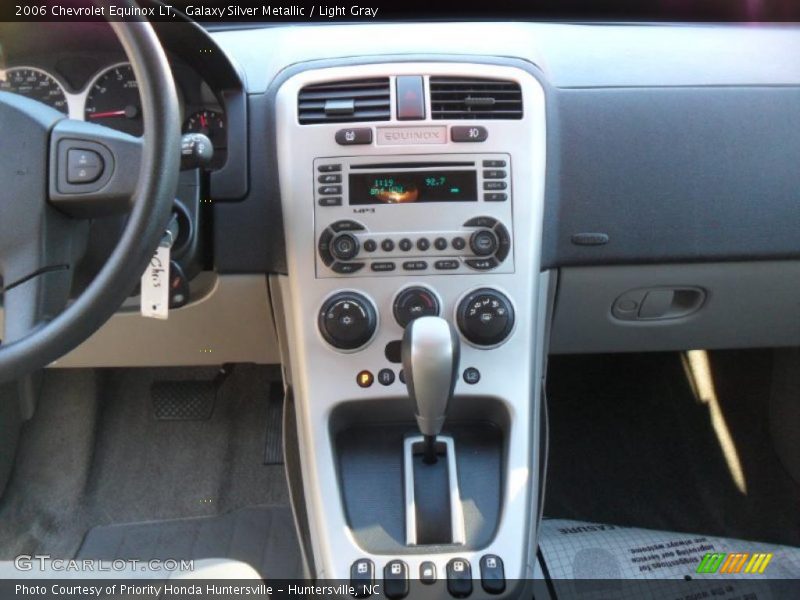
x=389, y=215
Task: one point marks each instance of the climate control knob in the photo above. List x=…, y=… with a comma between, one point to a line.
x=415, y=302
x=485, y=317
x=347, y=320
x=344, y=246
x=483, y=242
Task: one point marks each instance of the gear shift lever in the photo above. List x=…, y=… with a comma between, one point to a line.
x=430, y=352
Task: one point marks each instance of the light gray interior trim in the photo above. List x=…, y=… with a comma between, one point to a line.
x=232, y=323
x=748, y=304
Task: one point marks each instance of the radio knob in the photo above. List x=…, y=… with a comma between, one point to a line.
x=347, y=320
x=483, y=242
x=485, y=317
x=344, y=246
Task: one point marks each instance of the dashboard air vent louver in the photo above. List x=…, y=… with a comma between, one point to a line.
x=473, y=98
x=345, y=101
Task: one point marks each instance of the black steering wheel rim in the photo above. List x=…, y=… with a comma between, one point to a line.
x=151, y=203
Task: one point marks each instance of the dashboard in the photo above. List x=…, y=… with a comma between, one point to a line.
x=671, y=153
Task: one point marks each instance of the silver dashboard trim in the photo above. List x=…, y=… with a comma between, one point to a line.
x=323, y=379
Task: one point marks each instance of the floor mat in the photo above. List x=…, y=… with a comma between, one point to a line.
x=95, y=455
x=631, y=443
x=262, y=536
x=592, y=560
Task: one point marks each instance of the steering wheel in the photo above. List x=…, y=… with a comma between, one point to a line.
x=46, y=203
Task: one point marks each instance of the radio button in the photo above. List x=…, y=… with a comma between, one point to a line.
x=494, y=185
x=459, y=243
x=405, y=244
x=345, y=246
x=324, y=247
x=370, y=246
x=353, y=136
x=503, y=242
x=445, y=265
x=387, y=245
x=494, y=164
x=382, y=266
x=329, y=168
x=415, y=265
x=481, y=264
x=468, y=133
x=347, y=225
x=335, y=178
x=495, y=197
x=483, y=242
x=494, y=174
x=423, y=244
x=330, y=189
x=345, y=268
x=487, y=222
x=440, y=243
x=330, y=201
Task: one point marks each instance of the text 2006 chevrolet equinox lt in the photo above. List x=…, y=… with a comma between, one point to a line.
x=366, y=301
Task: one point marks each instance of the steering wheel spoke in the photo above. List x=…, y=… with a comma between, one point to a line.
x=94, y=170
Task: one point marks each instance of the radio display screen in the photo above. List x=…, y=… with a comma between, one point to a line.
x=405, y=187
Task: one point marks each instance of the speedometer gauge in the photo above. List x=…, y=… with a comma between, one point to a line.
x=113, y=100
x=35, y=84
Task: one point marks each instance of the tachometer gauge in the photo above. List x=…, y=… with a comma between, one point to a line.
x=35, y=84
x=210, y=123
x=113, y=100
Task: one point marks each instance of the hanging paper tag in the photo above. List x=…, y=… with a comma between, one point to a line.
x=155, y=285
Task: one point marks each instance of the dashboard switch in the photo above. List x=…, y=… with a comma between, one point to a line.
x=459, y=578
x=354, y=136
x=427, y=572
x=410, y=98
x=493, y=578
x=395, y=579
x=468, y=133
x=362, y=576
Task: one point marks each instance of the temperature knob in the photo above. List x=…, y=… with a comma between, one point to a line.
x=347, y=320
x=485, y=317
x=415, y=302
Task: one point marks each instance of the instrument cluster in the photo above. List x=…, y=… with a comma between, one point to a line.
x=110, y=97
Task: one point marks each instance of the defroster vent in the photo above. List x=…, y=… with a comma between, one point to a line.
x=475, y=98
x=345, y=101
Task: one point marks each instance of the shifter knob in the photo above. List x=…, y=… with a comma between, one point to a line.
x=430, y=352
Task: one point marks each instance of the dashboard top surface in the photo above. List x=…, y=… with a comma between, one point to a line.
x=570, y=55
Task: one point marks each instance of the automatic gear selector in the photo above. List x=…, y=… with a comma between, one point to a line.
x=430, y=353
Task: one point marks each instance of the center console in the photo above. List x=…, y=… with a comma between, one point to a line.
x=415, y=191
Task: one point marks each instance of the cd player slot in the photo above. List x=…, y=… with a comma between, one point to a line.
x=413, y=165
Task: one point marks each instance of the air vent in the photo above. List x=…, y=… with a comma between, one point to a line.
x=344, y=101
x=468, y=98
